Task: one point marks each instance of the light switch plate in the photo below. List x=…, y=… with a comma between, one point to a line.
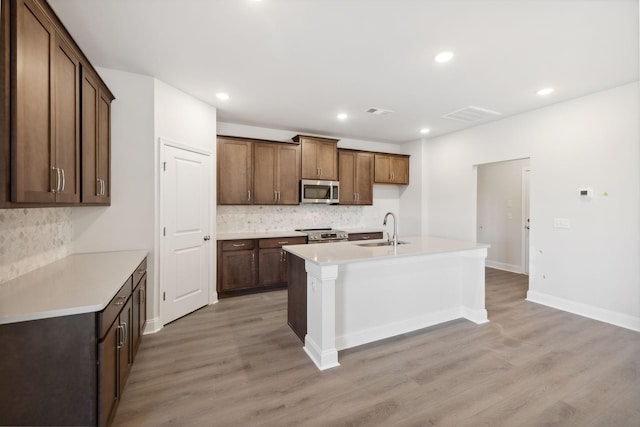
x=561, y=223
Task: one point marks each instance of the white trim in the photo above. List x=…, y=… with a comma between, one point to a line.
x=153, y=325
x=523, y=240
x=596, y=313
x=165, y=141
x=513, y=268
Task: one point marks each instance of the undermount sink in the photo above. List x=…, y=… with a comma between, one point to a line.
x=374, y=244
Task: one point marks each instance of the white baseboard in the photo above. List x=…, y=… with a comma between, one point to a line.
x=153, y=325
x=596, y=313
x=513, y=268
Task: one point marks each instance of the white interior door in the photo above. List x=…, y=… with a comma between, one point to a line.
x=186, y=237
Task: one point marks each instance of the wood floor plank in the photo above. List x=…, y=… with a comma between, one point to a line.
x=237, y=363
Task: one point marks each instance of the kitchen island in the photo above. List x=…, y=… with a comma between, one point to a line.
x=357, y=293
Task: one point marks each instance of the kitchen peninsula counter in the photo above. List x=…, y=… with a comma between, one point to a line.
x=347, y=294
x=76, y=284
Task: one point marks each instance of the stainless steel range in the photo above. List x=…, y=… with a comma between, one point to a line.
x=324, y=235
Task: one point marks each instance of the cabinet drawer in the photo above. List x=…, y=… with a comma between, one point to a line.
x=109, y=314
x=278, y=242
x=365, y=236
x=137, y=275
x=238, y=245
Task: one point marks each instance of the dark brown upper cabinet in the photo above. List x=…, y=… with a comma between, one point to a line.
x=276, y=173
x=40, y=79
x=356, y=177
x=96, y=140
x=319, y=157
x=391, y=169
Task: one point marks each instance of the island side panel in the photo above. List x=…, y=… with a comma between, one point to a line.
x=320, y=341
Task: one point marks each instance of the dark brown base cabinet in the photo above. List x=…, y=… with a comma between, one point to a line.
x=297, y=296
x=71, y=370
x=253, y=265
x=365, y=236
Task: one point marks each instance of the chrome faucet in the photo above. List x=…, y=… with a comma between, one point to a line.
x=393, y=240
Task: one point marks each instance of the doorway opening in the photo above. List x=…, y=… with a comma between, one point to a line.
x=503, y=218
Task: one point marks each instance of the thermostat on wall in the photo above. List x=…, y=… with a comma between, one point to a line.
x=585, y=193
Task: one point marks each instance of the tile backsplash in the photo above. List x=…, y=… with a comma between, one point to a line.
x=31, y=238
x=276, y=218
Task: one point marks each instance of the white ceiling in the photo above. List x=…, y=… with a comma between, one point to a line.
x=294, y=64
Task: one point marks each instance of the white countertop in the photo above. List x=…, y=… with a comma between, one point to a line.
x=79, y=283
x=363, y=230
x=259, y=235
x=348, y=252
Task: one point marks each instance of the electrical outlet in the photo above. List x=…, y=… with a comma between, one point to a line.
x=561, y=223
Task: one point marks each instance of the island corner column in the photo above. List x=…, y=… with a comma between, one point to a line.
x=320, y=341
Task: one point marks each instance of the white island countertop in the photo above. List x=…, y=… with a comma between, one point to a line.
x=349, y=252
x=79, y=283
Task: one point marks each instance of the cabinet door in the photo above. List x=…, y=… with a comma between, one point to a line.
x=235, y=172
x=104, y=146
x=382, y=168
x=400, y=169
x=126, y=348
x=346, y=167
x=364, y=178
x=238, y=270
x=271, y=267
x=67, y=121
x=328, y=160
x=108, y=374
x=91, y=184
x=310, y=168
x=265, y=164
x=139, y=318
x=33, y=177
x=288, y=174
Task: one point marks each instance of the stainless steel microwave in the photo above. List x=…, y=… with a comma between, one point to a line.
x=323, y=192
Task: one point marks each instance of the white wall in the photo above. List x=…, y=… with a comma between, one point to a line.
x=500, y=213
x=258, y=218
x=591, y=268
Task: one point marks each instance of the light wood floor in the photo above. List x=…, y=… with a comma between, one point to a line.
x=237, y=364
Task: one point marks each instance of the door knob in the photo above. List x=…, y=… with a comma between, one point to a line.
x=207, y=238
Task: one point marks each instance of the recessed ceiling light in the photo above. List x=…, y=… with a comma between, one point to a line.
x=545, y=91
x=222, y=96
x=342, y=116
x=425, y=131
x=443, y=57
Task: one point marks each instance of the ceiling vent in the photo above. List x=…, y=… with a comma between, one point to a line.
x=378, y=111
x=471, y=114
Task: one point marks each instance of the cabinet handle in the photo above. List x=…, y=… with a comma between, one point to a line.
x=102, y=191
x=57, y=189
x=142, y=294
x=365, y=237
x=63, y=180
x=282, y=257
x=283, y=243
x=320, y=171
x=120, y=330
x=238, y=245
x=99, y=187
x=278, y=196
x=248, y=195
x=126, y=332
x=253, y=259
x=358, y=196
